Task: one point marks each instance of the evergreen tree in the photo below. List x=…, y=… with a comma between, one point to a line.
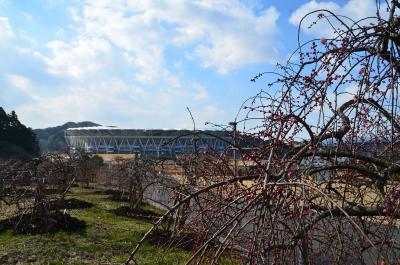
x=16, y=140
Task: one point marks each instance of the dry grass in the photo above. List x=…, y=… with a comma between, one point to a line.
x=107, y=239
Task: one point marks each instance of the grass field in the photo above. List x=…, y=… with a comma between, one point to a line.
x=107, y=239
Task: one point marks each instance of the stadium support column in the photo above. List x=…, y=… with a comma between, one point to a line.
x=194, y=142
x=234, y=129
x=67, y=140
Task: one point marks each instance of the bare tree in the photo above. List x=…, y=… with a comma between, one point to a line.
x=135, y=177
x=87, y=166
x=323, y=184
x=35, y=190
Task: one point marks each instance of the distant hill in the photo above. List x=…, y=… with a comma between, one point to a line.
x=52, y=138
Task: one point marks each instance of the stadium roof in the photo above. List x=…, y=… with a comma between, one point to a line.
x=119, y=128
x=116, y=131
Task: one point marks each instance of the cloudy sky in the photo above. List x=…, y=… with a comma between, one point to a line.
x=140, y=63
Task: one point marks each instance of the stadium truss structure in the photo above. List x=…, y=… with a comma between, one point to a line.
x=158, y=143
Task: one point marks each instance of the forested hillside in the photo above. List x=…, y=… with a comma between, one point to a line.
x=52, y=138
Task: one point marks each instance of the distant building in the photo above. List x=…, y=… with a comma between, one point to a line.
x=146, y=142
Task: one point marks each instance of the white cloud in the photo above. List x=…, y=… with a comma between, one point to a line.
x=212, y=112
x=178, y=64
x=112, y=64
x=201, y=92
x=208, y=113
x=248, y=39
x=225, y=35
x=27, y=16
x=353, y=9
x=100, y=102
x=78, y=58
x=6, y=31
x=12, y=40
x=308, y=7
x=20, y=82
x=188, y=35
x=74, y=14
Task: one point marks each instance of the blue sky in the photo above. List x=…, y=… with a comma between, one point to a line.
x=139, y=64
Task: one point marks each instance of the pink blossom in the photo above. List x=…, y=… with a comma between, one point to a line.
x=323, y=40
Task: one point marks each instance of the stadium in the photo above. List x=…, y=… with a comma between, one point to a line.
x=146, y=142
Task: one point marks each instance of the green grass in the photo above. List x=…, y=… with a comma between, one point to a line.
x=107, y=239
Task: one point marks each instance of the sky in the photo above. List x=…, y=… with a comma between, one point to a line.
x=142, y=63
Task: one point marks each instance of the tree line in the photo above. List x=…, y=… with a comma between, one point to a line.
x=16, y=140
